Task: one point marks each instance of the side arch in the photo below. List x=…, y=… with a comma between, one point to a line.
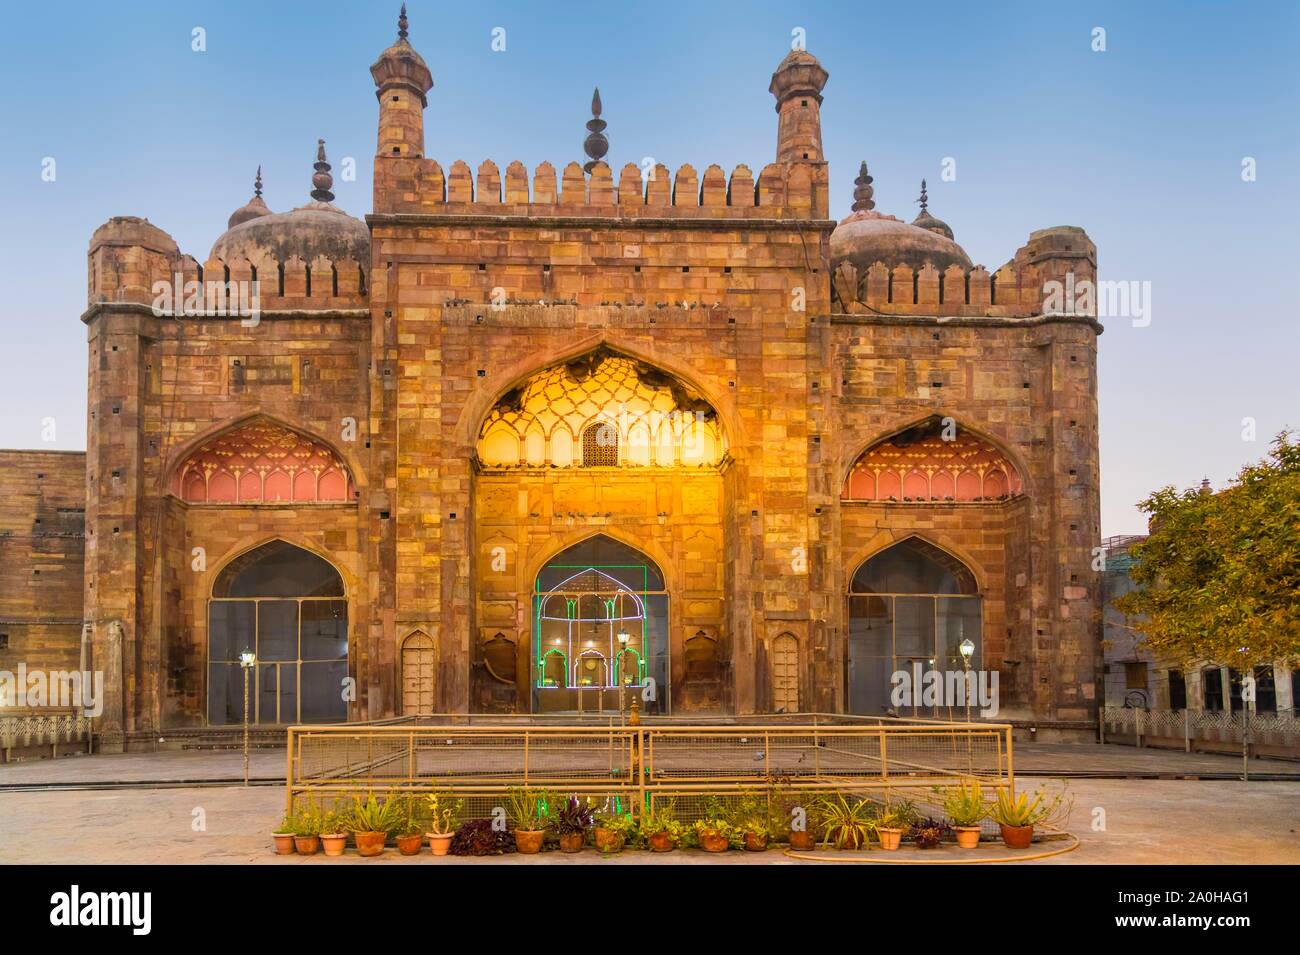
x=885, y=540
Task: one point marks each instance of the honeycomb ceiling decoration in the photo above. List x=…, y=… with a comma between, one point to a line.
x=924, y=469
x=642, y=416
x=263, y=463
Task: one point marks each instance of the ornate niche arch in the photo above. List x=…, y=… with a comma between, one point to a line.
x=263, y=462
x=602, y=409
x=928, y=463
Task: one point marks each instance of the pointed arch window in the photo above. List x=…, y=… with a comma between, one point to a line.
x=262, y=462
x=933, y=463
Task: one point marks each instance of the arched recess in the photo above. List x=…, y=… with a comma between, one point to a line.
x=487, y=394
x=259, y=460
x=591, y=409
x=600, y=629
x=288, y=608
x=934, y=460
x=912, y=606
x=419, y=658
x=784, y=666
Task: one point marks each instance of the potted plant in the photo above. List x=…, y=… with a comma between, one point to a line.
x=283, y=836
x=894, y=822
x=845, y=824
x=661, y=829
x=1017, y=815
x=752, y=821
x=613, y=832
x=964, y=804
x=441, y=809
x=571, y=823
x=333, y=831
x=929, y=833
x=481, y=837
x=529, y=809
x=306, y=825
x=371, y=821
x=409, y=834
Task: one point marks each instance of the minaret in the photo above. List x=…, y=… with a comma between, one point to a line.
x=797, y=85
x=402, y=84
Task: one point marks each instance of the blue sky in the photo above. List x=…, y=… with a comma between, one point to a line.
x=1141, y=145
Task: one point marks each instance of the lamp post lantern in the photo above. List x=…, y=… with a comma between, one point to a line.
x=247, y=660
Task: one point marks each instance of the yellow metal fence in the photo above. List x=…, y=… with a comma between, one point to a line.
x=629, y=768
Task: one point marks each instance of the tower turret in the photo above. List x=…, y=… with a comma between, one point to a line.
x=797, y=85
x=402, y=82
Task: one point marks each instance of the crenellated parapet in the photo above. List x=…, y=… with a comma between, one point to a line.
x=133, y=261
x=1052, y=261
x=779, y=191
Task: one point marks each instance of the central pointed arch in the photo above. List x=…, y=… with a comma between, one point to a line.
x=600, y=628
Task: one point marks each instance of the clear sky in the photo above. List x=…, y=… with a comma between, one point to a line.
x=1141, y=144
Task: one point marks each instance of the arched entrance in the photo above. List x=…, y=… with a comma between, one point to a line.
x=600, y=630
x=910, y=608
x=287, y=606
x=419, y=674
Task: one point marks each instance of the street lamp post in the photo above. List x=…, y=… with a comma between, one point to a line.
x=623, y=638
x=247, y=660
x=967, y=649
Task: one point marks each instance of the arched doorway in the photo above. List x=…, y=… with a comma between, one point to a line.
x=785, y=674
x=600, y=630
x=419, y=674
x=910, y=608
x=287, y=606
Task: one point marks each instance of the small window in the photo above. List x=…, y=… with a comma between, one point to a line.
x=1177, y=690
x=4, y=641
x=600, y=446
x=1135, y=676
x=1212, y=686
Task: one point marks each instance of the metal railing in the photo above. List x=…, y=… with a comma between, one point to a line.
x=479, y=758
x=52, y=729
x=1193, y=727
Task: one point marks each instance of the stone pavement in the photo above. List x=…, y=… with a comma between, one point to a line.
x=1146, y=821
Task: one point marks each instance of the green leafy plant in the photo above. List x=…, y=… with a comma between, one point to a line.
x=529, y=809
x=899, y=814
x=964, y=803
x=333, y=820
x=412, y=814
x=845, y=824
x=662, y=820
x=442, y=808
x=753, y=815
x=307, y=819
x=1042, y=808
x=374, y=815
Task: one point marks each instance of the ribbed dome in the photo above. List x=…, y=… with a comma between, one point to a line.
x=318, y=228
x=865, y=238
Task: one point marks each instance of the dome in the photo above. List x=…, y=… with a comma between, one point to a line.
x=318, y=228
x=866, y=237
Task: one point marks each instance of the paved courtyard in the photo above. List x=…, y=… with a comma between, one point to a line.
x=1138, y=819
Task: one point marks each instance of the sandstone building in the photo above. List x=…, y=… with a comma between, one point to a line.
x=530, y=441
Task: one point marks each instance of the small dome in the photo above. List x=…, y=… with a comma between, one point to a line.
x=317, y=228
x=866, y=236
x=253, y=208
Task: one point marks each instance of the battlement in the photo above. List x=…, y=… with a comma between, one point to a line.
x=161, y=277
x=780, y=191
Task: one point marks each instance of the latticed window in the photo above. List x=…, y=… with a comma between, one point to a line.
x=600, y=446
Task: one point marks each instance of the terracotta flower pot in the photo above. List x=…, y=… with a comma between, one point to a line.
x=803, y=841
x=968, y=837
x=529, y=841
x=283, y=843
x=1017, y=837
x=440, y=842
x=713, y=841
x=334, y=842
x=608, y=840
x=370, y=843
x=307, y=845
x=661, y=841
x=890, y=838
x=571, y=841
x=755, y=841
x=410, y=845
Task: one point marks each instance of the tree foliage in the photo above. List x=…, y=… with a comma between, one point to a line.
x=1219, y=576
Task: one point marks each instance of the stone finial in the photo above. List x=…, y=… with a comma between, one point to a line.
x=862, y=191
x=596, y=144
x=402, y=24
x=257, y=183
x=924, y=200
x=1205, y=486
x=322, y=179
